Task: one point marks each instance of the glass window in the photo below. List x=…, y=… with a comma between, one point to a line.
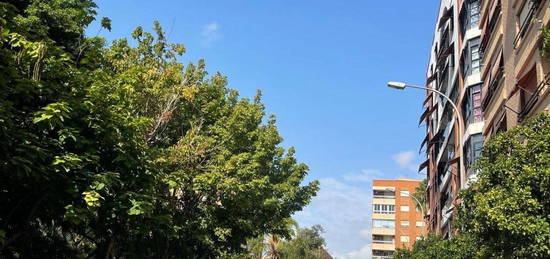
x=404, y=193
x=381, y=223
x=473, y=149
x=469, y=16
x=404, y=239
x=471, y=108
x=405, y=208
x=404, y=223
x=473, y=14
x=472, y=57
x=420, y=224
x=525, y=13
x=384, y=209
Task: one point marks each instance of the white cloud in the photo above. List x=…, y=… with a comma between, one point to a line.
x=363, y=253
x=343, y=210
x=406, y=159
x=210, y=33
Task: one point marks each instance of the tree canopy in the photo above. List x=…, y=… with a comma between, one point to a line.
x=505, y=213
x=119, y=150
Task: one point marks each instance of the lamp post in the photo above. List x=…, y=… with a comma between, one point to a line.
x=460, y=119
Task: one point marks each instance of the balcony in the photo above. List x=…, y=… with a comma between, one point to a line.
x=528, y=20
x=383, y=246
x=383, y=194
x=491, y=86
x=532, y=101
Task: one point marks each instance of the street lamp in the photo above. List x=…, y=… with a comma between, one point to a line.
x=402, y=86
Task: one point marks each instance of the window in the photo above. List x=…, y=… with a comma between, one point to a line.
x=469, y=16
x=404, y=239
x=382, y=223
x=405, y=208
x=472, y=57
x=384, y=194
x=420, y=224
x=473, y=14
x=528, y=85
x=418, y=238
x=404, y=193
x=404, y=223
x=473, y=149
x=384, y=209
x=472, y=110
x=525, y=15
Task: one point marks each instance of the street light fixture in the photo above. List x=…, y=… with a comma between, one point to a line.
x=460, y=119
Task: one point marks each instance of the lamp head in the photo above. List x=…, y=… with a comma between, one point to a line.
x=397, y=85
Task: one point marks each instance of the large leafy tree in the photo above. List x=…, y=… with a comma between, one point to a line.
x=505, y=213
x=507, y=210
x=122, y=151
x=304, y=243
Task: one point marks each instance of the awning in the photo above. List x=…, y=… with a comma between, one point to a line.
x=446, y=53
x=435, y=138
x=430, y=79
x=424, y=142
x=423, y=165
x=447, y=13
x=428, y=98
x=426, y=113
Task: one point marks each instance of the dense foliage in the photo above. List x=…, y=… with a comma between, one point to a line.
x=121, y=151
x=420, y=196
x=305, y=243
x=505, y=213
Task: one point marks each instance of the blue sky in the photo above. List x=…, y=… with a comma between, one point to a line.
x=322, y=66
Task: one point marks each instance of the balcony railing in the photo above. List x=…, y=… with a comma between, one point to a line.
x=381, y=257
x=493, y=85
x=528, y=20
x=384, y=196
x=541, y=88
x=388, y=242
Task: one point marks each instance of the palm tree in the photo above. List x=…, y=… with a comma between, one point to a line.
x=273, y=248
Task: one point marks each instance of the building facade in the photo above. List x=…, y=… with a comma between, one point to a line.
x=454, y=69
x=396, y=220
x=516, y=76
x=486, y=57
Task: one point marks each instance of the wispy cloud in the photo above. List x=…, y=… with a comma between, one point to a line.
x=366, y=176
x=406, y=160
x=210, y=33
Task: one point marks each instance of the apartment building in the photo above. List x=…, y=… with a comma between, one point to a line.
x=486, y=57
x=516, y=77
x=455, y=70
x=396, y=220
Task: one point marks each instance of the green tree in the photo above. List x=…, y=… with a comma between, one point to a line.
x=434, y=246
x=507, y=210
x=504, y=214
x=307, y=243
x=121, y=151
x=420, y=196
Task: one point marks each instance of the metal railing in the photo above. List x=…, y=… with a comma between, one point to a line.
x=525, y=25
x=534, y=98
x=384, y=196
x=491, y=89
x=388, y=242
